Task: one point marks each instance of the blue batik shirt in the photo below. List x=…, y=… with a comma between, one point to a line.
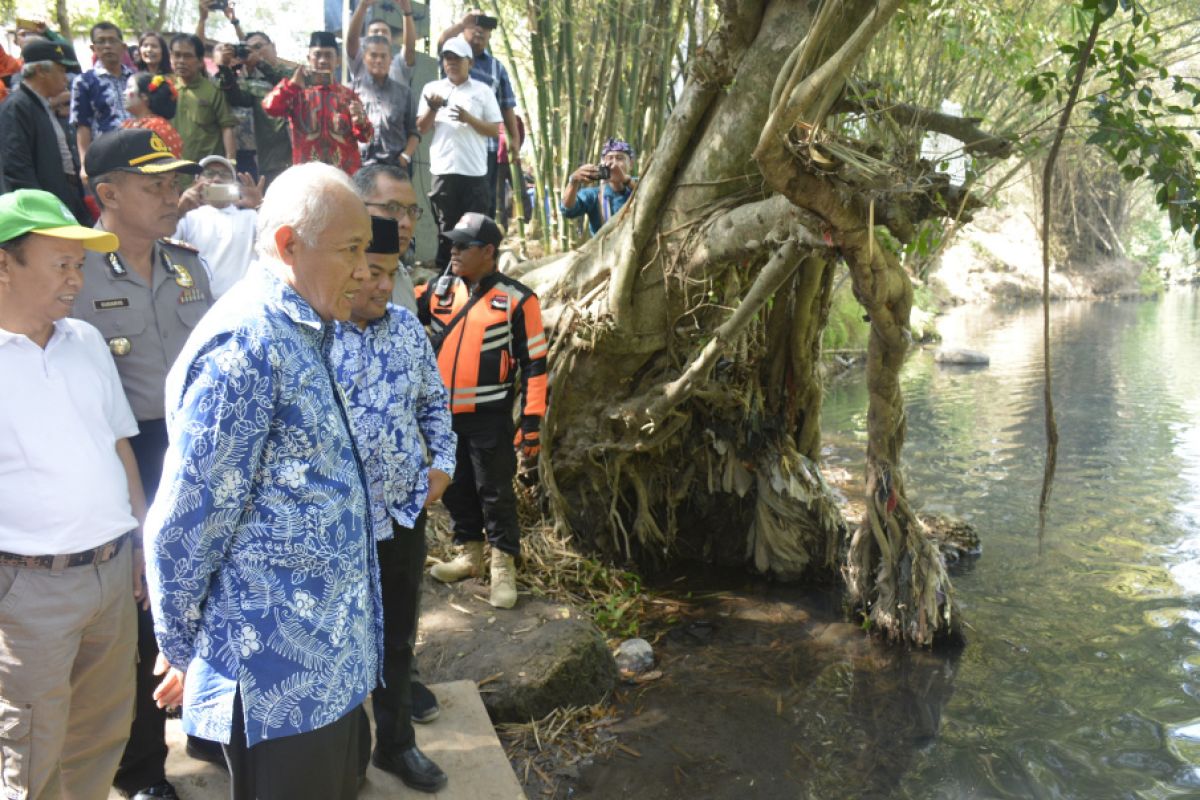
x=260, y=557
x=600, y=204
x=98, y=99
x=399, y=408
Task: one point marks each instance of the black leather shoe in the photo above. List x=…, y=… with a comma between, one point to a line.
x=204, y=750
x=412, y=767
x=424, y=704
x=159, y=791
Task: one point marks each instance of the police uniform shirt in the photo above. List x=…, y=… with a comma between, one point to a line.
x=145, y=326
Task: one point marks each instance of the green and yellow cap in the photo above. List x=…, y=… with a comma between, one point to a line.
x=34, y=211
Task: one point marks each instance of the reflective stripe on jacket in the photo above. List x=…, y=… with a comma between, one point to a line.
x=480, y=355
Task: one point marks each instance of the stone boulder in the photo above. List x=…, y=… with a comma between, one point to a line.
x=962, y=357
x=527, y=661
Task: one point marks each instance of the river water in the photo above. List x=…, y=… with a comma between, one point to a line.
x=1081, y=678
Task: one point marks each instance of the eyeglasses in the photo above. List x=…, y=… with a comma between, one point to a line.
x=466, y=245
x=394, y=208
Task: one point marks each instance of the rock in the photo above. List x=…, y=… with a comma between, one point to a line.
x=955, y=538
x=634, y=656
x=527, y=661
x=962, y=357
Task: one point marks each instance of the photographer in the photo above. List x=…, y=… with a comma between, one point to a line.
x=261, y=69
x=328, y=119
x=218, y=220
x=601, y=203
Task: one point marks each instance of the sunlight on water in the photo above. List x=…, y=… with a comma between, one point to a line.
x=1082, y=677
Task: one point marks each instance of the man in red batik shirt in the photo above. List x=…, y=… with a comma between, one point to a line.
x=328, y=120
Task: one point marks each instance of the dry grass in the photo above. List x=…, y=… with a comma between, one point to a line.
x=548, y=752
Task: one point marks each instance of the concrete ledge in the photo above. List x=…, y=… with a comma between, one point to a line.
x=461, y=740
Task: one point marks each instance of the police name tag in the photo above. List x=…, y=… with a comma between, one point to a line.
x=111, y=303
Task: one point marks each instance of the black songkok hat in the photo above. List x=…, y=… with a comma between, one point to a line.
x=385, y=236
x=322, y=39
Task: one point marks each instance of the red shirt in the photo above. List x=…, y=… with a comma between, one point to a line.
x=322, y=128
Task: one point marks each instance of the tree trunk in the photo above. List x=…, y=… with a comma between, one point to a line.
x=686, y=396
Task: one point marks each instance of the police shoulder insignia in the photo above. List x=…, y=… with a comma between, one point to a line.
x=180, y=244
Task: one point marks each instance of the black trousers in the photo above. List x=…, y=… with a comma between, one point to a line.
x=401, y=567
x=481, y=496
x=144, y=760
x=324, y=764
x=451, y=197
x=493, y=179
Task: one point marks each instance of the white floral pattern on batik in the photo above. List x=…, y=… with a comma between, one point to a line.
x=260, y=555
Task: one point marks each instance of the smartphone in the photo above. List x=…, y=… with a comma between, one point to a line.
x=221, y=193
x=314, y=77
x=218, y=5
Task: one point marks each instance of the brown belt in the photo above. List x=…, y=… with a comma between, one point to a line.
x=97, y=555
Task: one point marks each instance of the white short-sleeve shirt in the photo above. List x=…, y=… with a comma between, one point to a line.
x=225, y=239
x=457, y=148
x=62, y=409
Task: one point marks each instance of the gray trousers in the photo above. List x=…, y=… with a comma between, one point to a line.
x=67, y=647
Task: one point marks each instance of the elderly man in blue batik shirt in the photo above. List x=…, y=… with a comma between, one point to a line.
x=262, y=563
x=399, y=408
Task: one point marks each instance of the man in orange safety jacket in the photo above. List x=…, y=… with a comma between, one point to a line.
x=485, y=327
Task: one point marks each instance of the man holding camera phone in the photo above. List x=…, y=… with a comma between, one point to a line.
x=219, y=218
x=601, y=203
x=328, y=119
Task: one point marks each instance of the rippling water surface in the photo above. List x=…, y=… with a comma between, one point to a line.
x=1082, y=675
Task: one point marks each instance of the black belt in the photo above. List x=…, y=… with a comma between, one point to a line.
x=97, y=555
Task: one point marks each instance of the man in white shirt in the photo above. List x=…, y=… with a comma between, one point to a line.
x=221, y=220
x=463, y=114
x=70, y=510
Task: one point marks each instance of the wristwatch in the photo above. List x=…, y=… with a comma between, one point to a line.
x=235, y=21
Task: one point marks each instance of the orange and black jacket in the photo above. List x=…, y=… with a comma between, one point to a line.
x=480, y=353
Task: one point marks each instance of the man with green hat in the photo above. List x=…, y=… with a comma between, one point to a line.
x=34, y=152
x=70, y=516
x=145, y=297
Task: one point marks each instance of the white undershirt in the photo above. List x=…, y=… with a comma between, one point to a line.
x=62, y=486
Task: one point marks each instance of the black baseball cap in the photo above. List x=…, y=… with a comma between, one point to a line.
x=134, y=150
x=39, y=49
x=475, y=227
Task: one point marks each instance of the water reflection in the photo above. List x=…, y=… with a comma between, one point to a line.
x=1081, y=679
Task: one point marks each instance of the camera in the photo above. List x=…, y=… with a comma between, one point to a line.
x=221, y=193
x=605, y=172
x=241, y=51
x=218, y=5
x=313, y=77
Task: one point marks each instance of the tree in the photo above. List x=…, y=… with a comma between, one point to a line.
x=685, y=386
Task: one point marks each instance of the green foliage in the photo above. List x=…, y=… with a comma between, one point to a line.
x=1143, y=115
x=845, y=329
x=1150, y=282
x=617, y=613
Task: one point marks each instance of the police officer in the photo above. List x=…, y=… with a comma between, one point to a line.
x=146, y=297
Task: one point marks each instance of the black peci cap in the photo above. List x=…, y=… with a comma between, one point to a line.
x=385, y=236
x=475, y=227
x=39, y=49
x=134, y=150
x=322, y=39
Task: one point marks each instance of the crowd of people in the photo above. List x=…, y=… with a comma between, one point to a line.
x=233, y=408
